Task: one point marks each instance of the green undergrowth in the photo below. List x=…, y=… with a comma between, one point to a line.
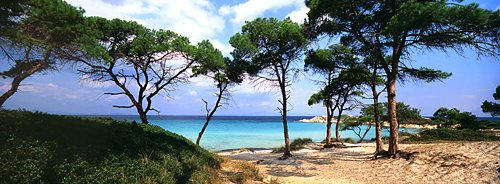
x=296, y=144
x=448, y=134
x=42, y=148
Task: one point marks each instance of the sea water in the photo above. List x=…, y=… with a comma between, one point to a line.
x=232, y=132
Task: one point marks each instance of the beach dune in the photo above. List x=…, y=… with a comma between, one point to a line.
x=453, y=162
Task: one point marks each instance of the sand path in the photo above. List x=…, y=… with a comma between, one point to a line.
x=455, y=162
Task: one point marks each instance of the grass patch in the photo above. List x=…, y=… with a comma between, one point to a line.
x=296, y=144
x=404, y=133
x=487, y=124
x=43, y=148
x=245, y=150
x=446, y=134
x=348, y=140
x=238, y=171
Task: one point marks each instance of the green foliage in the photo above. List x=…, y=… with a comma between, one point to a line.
x=424, y=74
x=446, y=134
x=268, y=49
x=43, y=148
x=267, y=42
x=487, y=124
x=421, y=24
x=348, y=140
x=405, y=133
x=10, y=11
x=337, y=81
x=492, y=107
x=125, y=51
x=448, y=117
x=391, y=31
x=468, y=121
x=296, y=144
x=405, y=113
x=35, y=37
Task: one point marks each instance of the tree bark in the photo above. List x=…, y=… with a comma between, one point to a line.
x=378, y=126
x=337, y=132
x=287, y=153
x=362, y=138
x=393, y=120
x=212, y=112
x=328, y=126
x=16, y=82
x=143, y=117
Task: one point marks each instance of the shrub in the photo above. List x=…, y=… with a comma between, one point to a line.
x=446, y=134
x=348, y=140
x=43, y=148
x=488, y=124
x=296, y=144
x=405, y=133
x=239, y=171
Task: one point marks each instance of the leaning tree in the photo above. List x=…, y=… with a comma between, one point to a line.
x=33, y=34
x=141, y=62
x=399, y=28
x=271, y=48
x=225, y=73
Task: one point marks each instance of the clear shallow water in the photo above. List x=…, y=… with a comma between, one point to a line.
x=231, y=132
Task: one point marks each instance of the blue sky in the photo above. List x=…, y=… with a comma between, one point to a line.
x=473, y=81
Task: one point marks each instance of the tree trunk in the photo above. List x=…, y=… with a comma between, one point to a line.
x=337, y=132
x=285, y=126
x=13, y=88
x=328, y=126
x=212, y=112
x=143, y=117
x=361, y=139
x=393, y=120
x=16, y=82
x=378, y=126
x=202, y=131
x=286, y=153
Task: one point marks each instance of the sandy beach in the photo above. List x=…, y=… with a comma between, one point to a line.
x=447, y=162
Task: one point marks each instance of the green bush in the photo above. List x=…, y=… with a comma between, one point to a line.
x=488, y=124
x=446, y=134
x=405, y=133
x=42, y=148
x=348, y=140
x=296, y=144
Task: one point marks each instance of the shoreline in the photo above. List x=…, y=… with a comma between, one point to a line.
x=322, y=119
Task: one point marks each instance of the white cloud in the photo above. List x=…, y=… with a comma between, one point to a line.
x=196, y=19
x=299, y=15
x=5, y=87
x=252, y=9
x=201, y=81
x=225, y=48
x=193, y=93
x=52, y=85
x=85, y=81
x=53, y=91
x=249, y=87
x=265, y=104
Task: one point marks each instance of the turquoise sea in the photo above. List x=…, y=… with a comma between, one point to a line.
x=232, y=132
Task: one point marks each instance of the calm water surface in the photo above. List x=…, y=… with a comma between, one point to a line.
x=231, y=132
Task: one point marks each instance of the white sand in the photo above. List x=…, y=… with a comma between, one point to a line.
x=454, y=162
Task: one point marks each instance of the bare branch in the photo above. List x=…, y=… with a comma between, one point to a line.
x=123, y=107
